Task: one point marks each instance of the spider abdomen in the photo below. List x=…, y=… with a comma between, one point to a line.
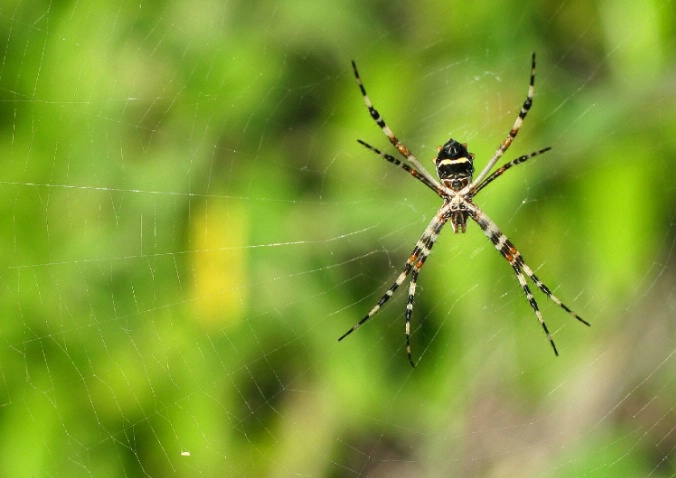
x=455, y=165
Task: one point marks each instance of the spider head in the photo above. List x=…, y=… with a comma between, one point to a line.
x=455, y=165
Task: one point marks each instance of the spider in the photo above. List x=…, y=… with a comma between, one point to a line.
x=457, y=188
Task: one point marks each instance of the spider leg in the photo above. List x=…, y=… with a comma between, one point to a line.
x=413, y=265
x=515, y=259
x=545, y=290
x=412, y=171
x=513, y=132
x=425, y=252
x=388, y=294
x=409, y=310
x=403, y=150
x=498, y=172
x=529, y=296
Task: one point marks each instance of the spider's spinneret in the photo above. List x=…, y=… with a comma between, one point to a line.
x=455, y=165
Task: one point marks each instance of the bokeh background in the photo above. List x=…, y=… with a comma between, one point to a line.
x=188, y=225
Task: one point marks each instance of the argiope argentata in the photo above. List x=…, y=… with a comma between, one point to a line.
x=455, y=169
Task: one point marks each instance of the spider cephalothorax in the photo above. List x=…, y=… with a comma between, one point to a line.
x=455, y=165
x=457, y=188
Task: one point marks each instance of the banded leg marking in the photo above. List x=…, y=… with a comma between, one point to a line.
x=500, y=171
x=409, y=312
x=545, y=290
x=413, y=265
x=388, y=294
x=516, y=260
x=504, y=146
x=425, y=252
x=533, y=303
x=380, y=121
x=412, y=171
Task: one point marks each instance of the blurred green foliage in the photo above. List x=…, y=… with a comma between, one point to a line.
x=189, y=225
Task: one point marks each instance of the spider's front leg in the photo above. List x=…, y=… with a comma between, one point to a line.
x=504, y=146
x=380, y=121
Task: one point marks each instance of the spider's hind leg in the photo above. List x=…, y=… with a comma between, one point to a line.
x=387, y=295
x=545, y=290
x=416, y=260
x=521, y=269
x=531, y=300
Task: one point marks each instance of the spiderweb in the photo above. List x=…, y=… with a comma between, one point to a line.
x=188, y=225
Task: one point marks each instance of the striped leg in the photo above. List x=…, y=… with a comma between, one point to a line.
x=403, y=150
x=413, y=265
x=425, y=251
x=514, y=257
x=529, y=296
x=498, y=172
x=545, y=290
x=412, y=171
x=390, y=292
x=515, y=129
